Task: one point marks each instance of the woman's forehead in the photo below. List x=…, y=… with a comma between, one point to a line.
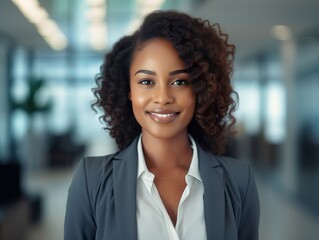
x=157, y=52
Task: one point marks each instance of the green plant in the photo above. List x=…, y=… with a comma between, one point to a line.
x=30, y=104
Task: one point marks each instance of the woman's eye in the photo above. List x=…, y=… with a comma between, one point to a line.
x=146, y=82
x=180, y=82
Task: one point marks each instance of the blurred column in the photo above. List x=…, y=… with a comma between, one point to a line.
x=288, y=172
x=263, y=154
x=4, y=100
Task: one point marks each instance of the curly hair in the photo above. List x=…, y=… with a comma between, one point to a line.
x=205, y=51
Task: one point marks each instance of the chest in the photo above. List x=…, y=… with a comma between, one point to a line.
x=170, y=193
x=170, y=210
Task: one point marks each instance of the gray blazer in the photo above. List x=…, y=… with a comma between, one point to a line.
x=101, y=203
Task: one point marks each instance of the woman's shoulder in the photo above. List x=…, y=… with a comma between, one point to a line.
x=92, y=170
x=98, y=170
x=238, y=174
x=239, y=177
x=92, y=176
x=97, y=163
x=240, y=187
x=95, y=167
x=234, y=167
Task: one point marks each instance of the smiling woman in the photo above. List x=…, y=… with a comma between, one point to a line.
x=167, y=99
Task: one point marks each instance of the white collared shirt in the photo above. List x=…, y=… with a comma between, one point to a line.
x=153, y=221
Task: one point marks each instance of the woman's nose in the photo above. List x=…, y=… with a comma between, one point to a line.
x=163, y=95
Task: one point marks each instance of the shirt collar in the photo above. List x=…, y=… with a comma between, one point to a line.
x=193, y=168
x=142, y=168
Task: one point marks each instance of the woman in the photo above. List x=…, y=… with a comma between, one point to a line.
x=167, y=100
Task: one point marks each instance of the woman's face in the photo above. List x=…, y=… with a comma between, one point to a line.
x=162, y=96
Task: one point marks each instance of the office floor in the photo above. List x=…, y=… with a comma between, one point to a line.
x=281, y=218
x=52, y=186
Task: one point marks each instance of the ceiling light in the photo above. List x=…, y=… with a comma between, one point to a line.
x=95, y=2
x=97, y=27
x=95, y=14
x=143, y=8
x=46, y=27
x=281, y=32
x=39, y=16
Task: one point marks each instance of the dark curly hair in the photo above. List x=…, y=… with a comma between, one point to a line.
x=205, y=51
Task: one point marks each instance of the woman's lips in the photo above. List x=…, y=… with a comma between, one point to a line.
x=163, y=117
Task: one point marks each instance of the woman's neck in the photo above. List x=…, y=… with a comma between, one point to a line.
x=167, y=154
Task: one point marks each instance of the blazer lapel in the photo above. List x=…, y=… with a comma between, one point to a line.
x=214, y=199
x=124, y=177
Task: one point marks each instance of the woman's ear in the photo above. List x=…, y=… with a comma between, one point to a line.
x=129, y=96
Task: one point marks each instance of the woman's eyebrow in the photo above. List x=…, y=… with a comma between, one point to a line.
x=149, y=72
x=185, y=70
x=172, y=73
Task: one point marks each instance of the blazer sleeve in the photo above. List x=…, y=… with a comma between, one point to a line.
x=249, y=221
x=79, y=219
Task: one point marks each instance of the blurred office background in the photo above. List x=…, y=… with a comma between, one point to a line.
x=50, y=52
